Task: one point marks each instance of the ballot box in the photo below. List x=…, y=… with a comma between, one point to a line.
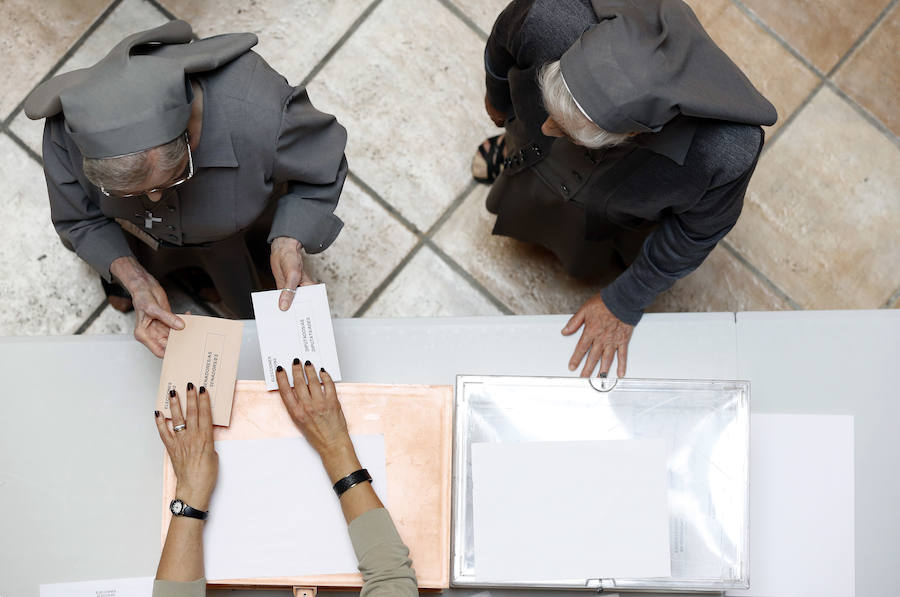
x=704, y=429
x=267, y=494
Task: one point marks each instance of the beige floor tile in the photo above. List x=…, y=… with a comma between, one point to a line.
x=34, y=36
x=129, y=17
x=369, y=247
x=482, y=12
x=777, y=74
x=822, y=30
x=293, y=34
x=414, y=111
x=872, y=74
x=428, y=287
x=721, y=283
x=111, y=321
x=528, y=279
x=46, y=289
x=823, y=210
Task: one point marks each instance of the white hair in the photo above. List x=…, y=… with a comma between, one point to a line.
x=130, y=170
x=562, y=108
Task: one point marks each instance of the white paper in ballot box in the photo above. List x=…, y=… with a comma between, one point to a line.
x=304, y=332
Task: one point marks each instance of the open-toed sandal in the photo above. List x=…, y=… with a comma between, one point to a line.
x=493, y=159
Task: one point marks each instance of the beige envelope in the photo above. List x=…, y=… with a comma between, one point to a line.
x=206, y=354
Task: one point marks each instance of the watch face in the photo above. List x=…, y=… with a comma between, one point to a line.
x=176, y=506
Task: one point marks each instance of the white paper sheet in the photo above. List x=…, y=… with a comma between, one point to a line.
x=274, y=512
x=304, y=331
x=801, y=506
x=570, y=510
x=119, y=587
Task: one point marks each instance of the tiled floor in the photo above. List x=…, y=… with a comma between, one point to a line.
x=821, y=222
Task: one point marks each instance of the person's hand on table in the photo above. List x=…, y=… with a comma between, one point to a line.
x=604, y=337
x=287, y=268
x=314, y=407
x=191, y=450
x=496, y=116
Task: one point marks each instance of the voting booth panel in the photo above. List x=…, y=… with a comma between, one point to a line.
x=416, y=424
x=704, y=427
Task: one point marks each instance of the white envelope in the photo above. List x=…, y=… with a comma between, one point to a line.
x=304, y=331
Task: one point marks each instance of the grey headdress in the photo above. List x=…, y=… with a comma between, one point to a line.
x=138, y=96
x=647, y=61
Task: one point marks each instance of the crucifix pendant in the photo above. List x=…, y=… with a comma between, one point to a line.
x=149, y=219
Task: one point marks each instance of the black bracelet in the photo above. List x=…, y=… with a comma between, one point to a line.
x=352, y=480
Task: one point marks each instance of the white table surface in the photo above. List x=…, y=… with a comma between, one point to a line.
x=81, y=462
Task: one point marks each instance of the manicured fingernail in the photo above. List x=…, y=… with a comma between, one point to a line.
x=323, y=370
x=156, y=414
x=571, y=367
x=307, y=363
x=171, y=393
x=279, y=368
x=190, y=386
x=603, y=375
x=202, y=389
x=296, y=361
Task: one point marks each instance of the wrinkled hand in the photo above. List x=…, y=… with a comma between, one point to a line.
x=287, y=267
x=191, y=450
x=604, y=336
x=498, y=117
x=315, y=408
x=154, y=317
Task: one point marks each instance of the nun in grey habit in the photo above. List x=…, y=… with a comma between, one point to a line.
x=630, y=140
x=170, y=154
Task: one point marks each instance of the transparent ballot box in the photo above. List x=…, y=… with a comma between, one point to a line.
x=704, y=424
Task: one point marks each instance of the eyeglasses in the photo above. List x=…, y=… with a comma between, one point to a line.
x=186, y=176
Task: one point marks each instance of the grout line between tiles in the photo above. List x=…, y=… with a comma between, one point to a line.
x=92, y=317
x=423, y=240
x=765, y=26
x=871, y=119
x=18, y=141
x=68, y=54
x=863, y=37
x=165, y=11
x=379, y=290
x=383, y=203
x=340, y=43
x=756, y=272
x=790, y=119
x=464, y=18
x=892, y=300
x=465, y=275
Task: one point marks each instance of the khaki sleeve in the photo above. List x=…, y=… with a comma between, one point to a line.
x=170, y=588
x=383, y=557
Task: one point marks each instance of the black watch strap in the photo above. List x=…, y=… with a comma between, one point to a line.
x=352, y=480
x=194, y=513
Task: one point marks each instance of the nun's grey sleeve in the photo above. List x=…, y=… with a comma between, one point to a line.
x=502, y=52
x=680, y=244
x=80, y=224
x=310, y=159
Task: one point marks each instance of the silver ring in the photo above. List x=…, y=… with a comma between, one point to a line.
x=293, y=291
x=178, y=428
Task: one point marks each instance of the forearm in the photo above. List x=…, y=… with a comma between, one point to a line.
x=182, y=555
x=128, y=272
x=340, y=462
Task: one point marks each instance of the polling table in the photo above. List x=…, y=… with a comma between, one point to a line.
x=81, y=461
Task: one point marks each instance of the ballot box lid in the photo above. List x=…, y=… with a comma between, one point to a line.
x=705, y=425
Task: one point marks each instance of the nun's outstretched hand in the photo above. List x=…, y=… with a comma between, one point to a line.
x=604, y=336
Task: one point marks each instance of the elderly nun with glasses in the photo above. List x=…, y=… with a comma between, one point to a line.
x=630, y=140
x=171, y=154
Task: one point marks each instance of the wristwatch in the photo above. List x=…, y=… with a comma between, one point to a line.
x=179, y=508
